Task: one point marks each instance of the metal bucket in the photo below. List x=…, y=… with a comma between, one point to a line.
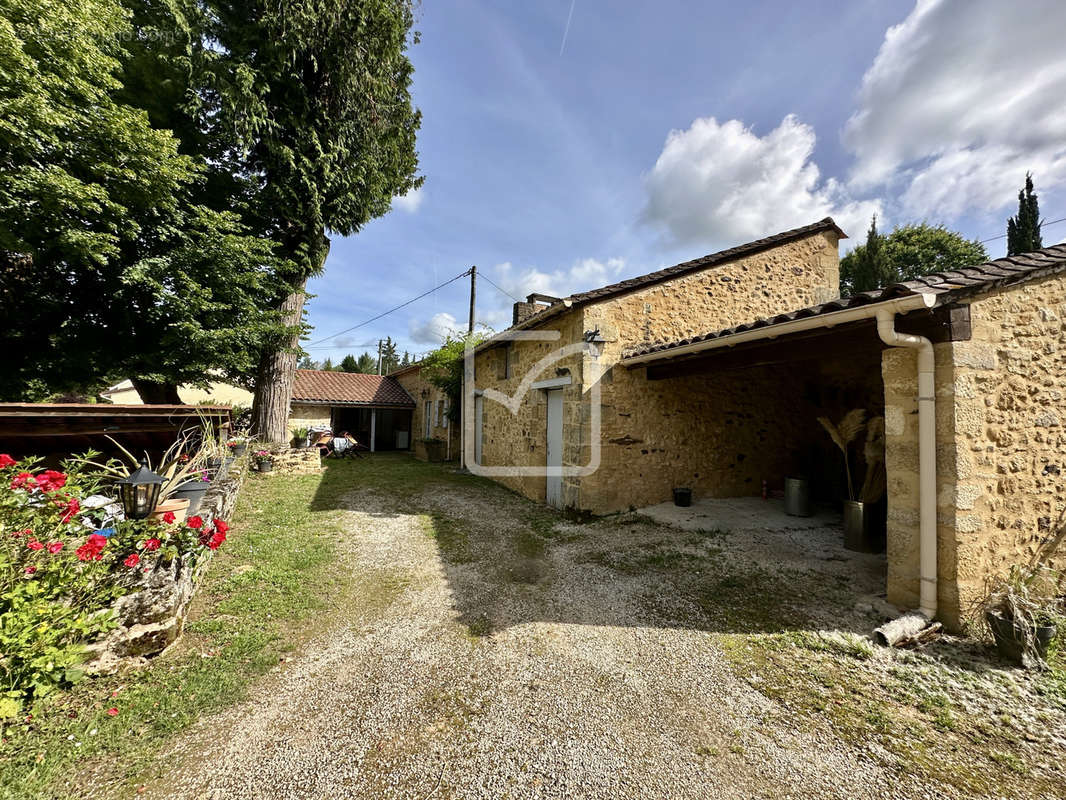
x=864, y=530
x=797, y=497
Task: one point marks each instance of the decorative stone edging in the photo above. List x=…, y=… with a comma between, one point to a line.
x=152, y=618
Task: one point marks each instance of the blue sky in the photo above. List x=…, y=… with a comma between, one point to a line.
x=662, y=131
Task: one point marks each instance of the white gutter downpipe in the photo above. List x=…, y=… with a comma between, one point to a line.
x=886, y=329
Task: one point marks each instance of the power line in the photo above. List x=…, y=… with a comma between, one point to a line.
x=391, y=310
x=1042, y=225
x=485, y=277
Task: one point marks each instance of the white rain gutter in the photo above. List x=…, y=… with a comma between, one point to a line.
x=886, y=329
x=900, y=305
x=885, y=313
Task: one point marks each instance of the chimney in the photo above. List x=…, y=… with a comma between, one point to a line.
x=535, y=303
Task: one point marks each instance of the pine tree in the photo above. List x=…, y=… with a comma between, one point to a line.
x=349, y=364
x=389, y=359
x=327, y=365
x=1023, y=230
x=868, y=268
x=406, y=360
x=367, y=364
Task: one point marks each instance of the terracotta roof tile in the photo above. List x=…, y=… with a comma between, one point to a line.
x=348, y=388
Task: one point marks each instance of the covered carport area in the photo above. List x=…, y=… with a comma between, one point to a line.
x=747, y=402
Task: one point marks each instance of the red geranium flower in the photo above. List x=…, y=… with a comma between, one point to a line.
x=24, y=532
x=195, y=522
x=92, y=549
x=168, y=518
x=132, y=560
x=30, y=570
x=221, y=526
x=72, y=508
x=152, y=544
x=6, y=461
x=55, y=547
x=23, y=480
x=216, y=540
x=50, y=480
x=35, y=545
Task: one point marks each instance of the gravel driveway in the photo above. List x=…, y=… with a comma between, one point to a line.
x=523, y=656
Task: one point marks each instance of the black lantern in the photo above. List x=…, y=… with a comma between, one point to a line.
x=139, y=492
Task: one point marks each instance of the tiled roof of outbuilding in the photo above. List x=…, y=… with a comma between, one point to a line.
x=948, y=286
x=348, y=388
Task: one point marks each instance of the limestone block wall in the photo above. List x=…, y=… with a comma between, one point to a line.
x=795, y=275
x=681, y=418
x=1001, y=447
x=900, y=374
x=723, y=433
x=308, y=416
x=520, y=439
x=1010, y=410
x=440, y=427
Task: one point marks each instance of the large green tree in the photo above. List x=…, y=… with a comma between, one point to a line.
x=108, y=268
x=908, y=252
x=1023, y=229
x=312, y=100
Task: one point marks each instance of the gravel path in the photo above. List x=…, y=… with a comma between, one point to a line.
x=503, y=673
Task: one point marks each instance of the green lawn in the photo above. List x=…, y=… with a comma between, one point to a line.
x=277, y=573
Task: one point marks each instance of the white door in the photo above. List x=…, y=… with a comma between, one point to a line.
x=479, y=411
x=553, y=494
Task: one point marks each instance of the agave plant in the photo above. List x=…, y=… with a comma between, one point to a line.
x=179, y=464
x=843, y=434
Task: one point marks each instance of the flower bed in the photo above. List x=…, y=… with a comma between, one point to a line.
x=75, y=582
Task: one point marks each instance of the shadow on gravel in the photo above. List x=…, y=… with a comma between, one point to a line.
x=510, y=561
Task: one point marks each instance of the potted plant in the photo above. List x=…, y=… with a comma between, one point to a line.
x=264, y=461
x=863, y=514
x=194, y=489
x=238, y=446
x=299, y=437
x=1025, y=612
x=434, y=449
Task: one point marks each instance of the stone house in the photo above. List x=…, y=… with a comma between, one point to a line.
x=431, y=415
x=375, y=409
x=711, y=374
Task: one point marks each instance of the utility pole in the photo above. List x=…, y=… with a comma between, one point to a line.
x=473, y=296
x=379, y=356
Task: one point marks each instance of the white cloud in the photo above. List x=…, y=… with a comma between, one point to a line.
x=582, y=275
x=409, y=202
x=434, y=330
x=963, y=97
x=717, y=184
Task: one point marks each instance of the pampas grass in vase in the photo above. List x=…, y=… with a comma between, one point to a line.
x=843, y=434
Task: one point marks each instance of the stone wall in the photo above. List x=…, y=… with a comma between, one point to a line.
x=899, y=367
x=292, y=460
x=151, y=617
x=520, y=439
x=785, y=278
x=1000, y=447
x=440, y=427
x=302, y=415
x=724, y=432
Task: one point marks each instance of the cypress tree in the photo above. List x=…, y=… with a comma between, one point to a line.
x=1023, y=230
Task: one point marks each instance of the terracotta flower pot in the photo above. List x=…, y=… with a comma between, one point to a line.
x=178, y=506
